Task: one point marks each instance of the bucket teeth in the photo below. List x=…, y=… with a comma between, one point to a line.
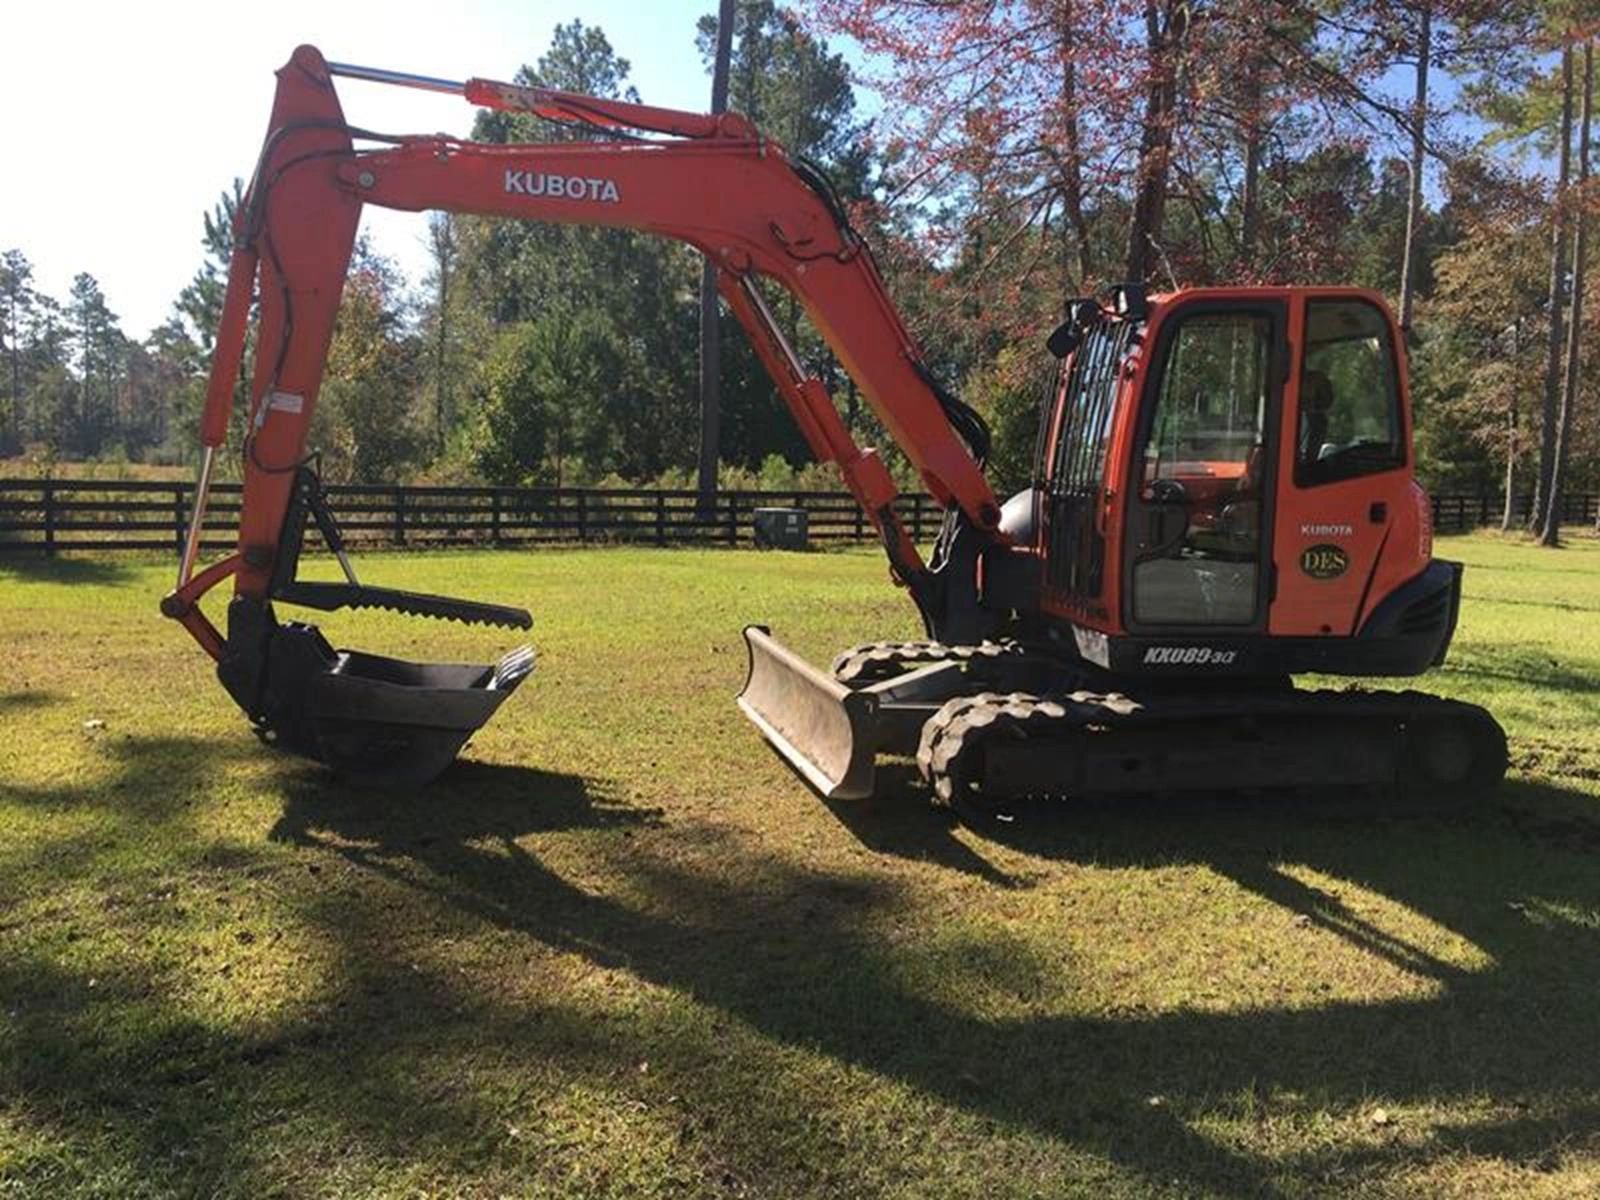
x=326, y=597
x=512, y=669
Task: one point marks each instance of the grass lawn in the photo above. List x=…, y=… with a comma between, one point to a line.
x=621, y=950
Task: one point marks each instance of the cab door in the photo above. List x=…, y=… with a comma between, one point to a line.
x=1346, y=492
x=1197, y=550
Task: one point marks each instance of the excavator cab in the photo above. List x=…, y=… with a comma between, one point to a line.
x=1224, y=480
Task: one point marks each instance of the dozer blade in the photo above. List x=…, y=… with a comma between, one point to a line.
x=826, y=731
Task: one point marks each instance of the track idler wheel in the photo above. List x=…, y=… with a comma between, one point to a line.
x=1460, y=753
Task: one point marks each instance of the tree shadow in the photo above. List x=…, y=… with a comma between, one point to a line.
x=1526, y=666
x=37, y=567
x=802, y=971
x=797, y=957
x=11, y=702
x=1553, y=605
x=106, y=1049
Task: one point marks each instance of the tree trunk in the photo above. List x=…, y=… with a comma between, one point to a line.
x=710, y=341
x=442, y=239
x=1550, y=533
x=1419, y=137
x=1072, y=168
x=1511, y=436
x=1166, y=29
x=1250, y=205
x=15, y=414
x=1558, y=243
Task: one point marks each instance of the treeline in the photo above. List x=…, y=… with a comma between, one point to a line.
x=1436, y=150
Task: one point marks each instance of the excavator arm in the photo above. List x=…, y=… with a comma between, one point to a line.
x=711, y=181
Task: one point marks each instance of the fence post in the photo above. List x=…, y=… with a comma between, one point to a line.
x=50, y=520
x=583, y=515
x=177, y=517
x=400, y=516
x=733, y=518
x=916, y=517
x=661, y=518
x=494, y=515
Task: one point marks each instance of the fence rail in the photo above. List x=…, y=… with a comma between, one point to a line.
x=57, y=515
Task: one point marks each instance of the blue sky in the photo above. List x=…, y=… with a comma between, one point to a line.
x=123, y=122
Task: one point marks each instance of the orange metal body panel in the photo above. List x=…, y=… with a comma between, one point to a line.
x=1383, y=553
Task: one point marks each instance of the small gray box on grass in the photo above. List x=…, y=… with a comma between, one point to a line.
x=780, y=528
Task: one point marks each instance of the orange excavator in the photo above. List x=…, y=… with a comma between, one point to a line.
x=1223, y=492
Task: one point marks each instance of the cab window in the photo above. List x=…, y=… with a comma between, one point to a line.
x=1197, y=532
x=1349, y=395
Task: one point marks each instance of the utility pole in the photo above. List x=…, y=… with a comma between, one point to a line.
x=710, y=347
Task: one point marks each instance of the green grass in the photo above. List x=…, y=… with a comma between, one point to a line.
x=621, y=950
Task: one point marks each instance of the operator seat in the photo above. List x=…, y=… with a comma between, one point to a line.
x=1316, y=402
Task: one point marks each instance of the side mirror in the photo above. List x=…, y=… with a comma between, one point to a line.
x=1084, y=311
x=1064, y=340
x=1081, y=313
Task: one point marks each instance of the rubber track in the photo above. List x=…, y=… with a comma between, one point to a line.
x=949, y=759
x=874, y=662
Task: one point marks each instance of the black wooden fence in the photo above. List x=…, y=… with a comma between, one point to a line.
x=56, y=515
x=1453, y=514
x=61, y=514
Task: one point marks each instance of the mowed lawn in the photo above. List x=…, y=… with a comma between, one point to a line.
x=621, y=950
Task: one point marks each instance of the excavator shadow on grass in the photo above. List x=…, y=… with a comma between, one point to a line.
x=756, y=961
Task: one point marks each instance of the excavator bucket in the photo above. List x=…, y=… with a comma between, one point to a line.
x=826, y=731
x=385, y=722
x=378, y=722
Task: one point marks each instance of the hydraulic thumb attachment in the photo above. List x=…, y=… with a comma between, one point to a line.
x=380, y=722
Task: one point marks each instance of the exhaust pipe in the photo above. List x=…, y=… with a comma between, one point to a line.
x=824, y=730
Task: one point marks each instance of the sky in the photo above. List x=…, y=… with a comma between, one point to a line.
x=124, y=122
